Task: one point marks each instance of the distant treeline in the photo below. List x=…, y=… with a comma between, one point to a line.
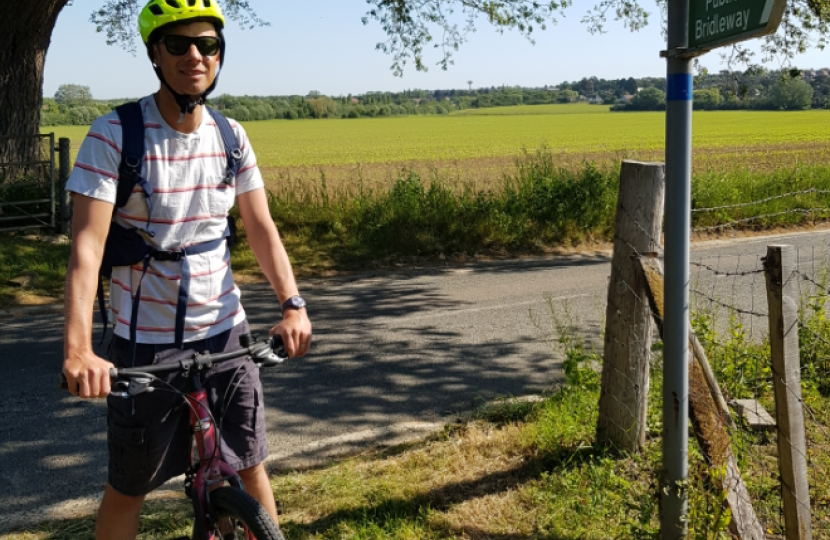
x=774, y=90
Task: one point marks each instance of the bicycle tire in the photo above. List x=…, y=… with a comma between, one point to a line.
x=245, y=512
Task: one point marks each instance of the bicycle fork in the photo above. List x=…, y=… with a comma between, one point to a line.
x=211, y=471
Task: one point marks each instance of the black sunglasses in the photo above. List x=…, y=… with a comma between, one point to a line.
x=179, y=45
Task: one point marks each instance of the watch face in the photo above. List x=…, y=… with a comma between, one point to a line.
x=295, y=302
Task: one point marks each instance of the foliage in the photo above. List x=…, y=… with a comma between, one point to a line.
x=707, y=100
x=73, y=95
x=411, y=26
x=791, y=95
x=773, y=90
x=648, y=99
x=118, y=19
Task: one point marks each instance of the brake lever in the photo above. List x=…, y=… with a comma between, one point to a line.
x=133, y=387
x=269, y=353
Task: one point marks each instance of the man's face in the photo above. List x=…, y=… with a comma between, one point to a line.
x=192, y=73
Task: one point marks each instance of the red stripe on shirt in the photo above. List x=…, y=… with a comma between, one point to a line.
x=178, y=277
x=182, y=189
x=154, y=300
x=100, y=137
x=90, y=168
x=186, y=158
x=147, y=125
x=162, y=329
x=248, y=168
x=171, y=221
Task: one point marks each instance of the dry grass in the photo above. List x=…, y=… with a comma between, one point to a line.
x=489, y=173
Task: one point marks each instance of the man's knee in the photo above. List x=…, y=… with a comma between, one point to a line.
x=116, y=501
x=257, y=471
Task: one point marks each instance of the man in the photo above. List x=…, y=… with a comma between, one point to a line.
x=186, y=204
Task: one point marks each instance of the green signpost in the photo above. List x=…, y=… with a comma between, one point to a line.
x=714, y=23
x=694, y=27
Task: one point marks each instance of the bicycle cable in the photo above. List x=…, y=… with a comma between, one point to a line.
x=188, y=398
x=229, y=397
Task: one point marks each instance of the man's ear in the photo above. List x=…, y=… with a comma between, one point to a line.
x=155, y=53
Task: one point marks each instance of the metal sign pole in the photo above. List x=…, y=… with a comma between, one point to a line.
x=674, y=496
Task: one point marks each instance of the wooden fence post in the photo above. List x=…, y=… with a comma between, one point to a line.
x=783, y=296
x=65, y=200
x=623, y=401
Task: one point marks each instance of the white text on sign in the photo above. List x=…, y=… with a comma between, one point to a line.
x=719, y=24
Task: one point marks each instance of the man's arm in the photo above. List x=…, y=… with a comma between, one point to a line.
x=269, y=251
x=86, y=373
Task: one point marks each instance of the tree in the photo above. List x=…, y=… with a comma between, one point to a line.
x=73, y=94
x=648, y=99
x=708, y=100
x=26, y=29
x=25, y=32
x=791, y=95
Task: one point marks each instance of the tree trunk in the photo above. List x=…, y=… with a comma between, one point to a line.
x=25, y=32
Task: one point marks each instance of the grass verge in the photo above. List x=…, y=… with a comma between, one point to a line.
x=538, y=206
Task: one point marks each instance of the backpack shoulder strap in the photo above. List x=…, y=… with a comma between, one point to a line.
x=232, y=149
x=132, y=150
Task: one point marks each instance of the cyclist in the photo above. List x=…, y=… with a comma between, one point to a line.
x=186, y=297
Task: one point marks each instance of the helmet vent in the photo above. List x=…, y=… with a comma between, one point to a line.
x=155, y=9
x=173, y=4
x=191, y=3
x=207, y=3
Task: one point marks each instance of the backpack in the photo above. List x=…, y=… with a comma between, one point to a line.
x=127, y=247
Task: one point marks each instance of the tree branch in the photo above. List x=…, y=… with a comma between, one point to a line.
x=118, y=19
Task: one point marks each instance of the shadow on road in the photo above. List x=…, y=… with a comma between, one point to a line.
x=387, y=349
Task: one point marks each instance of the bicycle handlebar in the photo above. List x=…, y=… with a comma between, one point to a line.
x=264, y=354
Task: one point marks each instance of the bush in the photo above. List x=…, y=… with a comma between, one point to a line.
x=790, y=95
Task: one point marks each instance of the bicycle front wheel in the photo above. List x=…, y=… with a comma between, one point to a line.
x=242, y=517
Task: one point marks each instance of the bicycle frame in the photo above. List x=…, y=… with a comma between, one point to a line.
x=212, y=468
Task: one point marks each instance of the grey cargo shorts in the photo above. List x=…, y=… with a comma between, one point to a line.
x=149, y=436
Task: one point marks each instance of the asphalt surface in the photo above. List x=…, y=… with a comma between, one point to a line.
x=394, y=354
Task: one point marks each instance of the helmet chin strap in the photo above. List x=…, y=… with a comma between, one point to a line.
x=186, y=104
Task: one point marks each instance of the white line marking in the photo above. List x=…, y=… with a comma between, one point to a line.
x=448, y=313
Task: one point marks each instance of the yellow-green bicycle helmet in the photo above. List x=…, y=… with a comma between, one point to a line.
x=158, y=13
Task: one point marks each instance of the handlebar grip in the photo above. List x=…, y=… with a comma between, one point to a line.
x=278, y=346
x=64, y=384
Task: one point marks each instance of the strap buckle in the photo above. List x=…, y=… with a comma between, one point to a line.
x=166, y=255
x=132, y=163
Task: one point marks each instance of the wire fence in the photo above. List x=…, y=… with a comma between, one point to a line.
x=729, y=308
x=730, y=315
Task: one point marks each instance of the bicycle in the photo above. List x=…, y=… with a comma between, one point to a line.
x=222, y=508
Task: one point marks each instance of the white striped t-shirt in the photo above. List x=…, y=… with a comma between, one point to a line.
x=190, y=204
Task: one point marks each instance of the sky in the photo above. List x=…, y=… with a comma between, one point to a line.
x=322, y=45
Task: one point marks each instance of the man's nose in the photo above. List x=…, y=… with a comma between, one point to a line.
x=193, y=52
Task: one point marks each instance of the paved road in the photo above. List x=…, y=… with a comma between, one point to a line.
x=393, y=353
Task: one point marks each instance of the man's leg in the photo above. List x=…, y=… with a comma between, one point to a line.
x=118, y=516
x=258, y=486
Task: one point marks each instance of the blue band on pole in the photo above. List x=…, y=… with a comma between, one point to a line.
x=679, y=87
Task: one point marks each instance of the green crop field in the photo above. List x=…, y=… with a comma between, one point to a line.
x=578, y=130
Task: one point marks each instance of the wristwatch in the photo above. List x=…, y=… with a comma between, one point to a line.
x=295, y=302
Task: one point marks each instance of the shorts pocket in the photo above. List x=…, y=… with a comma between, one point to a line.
x=128, y=449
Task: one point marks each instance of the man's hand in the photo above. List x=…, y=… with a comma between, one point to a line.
x=87, y=375
x=295, y=330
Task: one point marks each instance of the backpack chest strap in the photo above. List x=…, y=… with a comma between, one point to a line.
x=184, y=284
